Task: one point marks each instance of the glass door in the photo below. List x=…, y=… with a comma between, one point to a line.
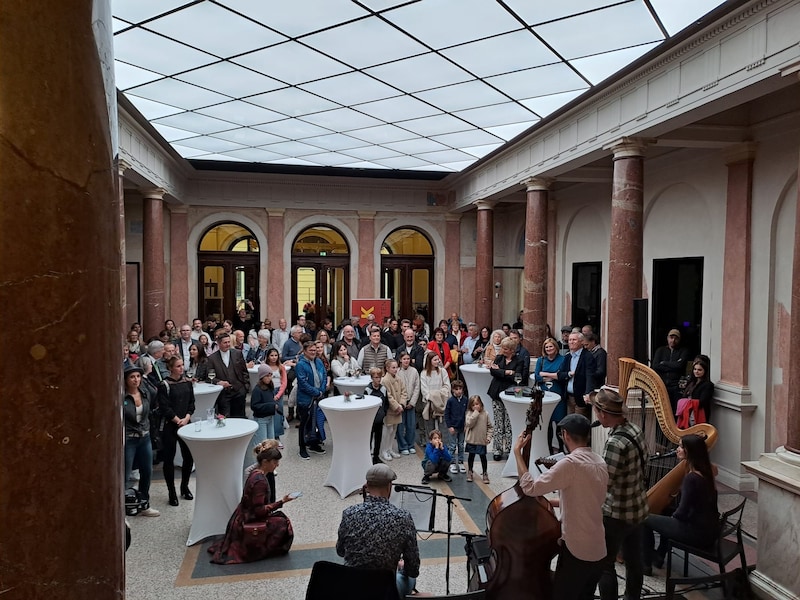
x=409, y=284
x=319, y=288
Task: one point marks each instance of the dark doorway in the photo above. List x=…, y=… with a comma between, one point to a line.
x=407, y=263
x=587, y=280
x=677, y=301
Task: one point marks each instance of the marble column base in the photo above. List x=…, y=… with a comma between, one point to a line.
x=776, y=575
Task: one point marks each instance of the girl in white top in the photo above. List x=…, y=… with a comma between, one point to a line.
x=407, y=430
x=342, y=364
x=434, y=383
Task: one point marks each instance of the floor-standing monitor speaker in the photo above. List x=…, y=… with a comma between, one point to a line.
x=640, y=352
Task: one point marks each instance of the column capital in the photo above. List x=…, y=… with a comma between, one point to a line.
x=276, y=212
x=452, y=217
x=367, y=214
x=746, y=151
x=629, y=147
x=484, y=204
x=538, y=184
x=178, y=209
x=123, y=165
x=792, y=68
x=153, y=193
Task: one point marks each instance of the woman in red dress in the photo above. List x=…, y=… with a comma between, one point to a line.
x=255, y=508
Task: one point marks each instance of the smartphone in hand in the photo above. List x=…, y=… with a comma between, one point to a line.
x=295, y=495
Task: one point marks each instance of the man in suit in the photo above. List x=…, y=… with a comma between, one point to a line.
x=414, y=350
x=232, y=375
x=591, y=343
x=523, y=354
x=184, y=342
x=578, y=374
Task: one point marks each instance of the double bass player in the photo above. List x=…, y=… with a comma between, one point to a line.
x=582, y=480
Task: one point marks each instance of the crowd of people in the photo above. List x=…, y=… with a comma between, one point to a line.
x=414, y=370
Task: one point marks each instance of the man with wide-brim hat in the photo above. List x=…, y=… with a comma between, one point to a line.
x=625, y=508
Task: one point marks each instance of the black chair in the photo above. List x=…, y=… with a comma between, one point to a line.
x=476, y=595
x=331, y=580
x=727, y=545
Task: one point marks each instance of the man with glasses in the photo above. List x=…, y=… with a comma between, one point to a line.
x=185, y=342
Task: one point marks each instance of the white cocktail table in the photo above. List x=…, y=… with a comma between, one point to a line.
x=205, y=396
x=478, y=379
x=517, y=408
x=218, y=454
x=350, y=423
x=354, y=385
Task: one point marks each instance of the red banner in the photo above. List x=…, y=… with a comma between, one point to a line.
x=363, y=308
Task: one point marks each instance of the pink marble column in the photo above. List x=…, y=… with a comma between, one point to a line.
x=484, y=264
x=452, y=268
x=122, y=166
x=61, y=521
x=179, y=266
x=793, y=421
x=736, y=266
x=625, y=255
x=366, y=257
x=153, y=271
x=534, y=281
x=276, y=283
x=552, y=245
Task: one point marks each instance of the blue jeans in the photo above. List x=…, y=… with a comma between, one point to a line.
x=141, y=450
x=407, y=431
x=405, y=584
x=456, y=445
x=278, y=420
x=265, y=431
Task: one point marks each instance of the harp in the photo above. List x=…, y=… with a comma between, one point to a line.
x=634, y=375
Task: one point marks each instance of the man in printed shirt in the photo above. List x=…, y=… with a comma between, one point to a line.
x=377, y=534
x=582, y=480
x=625, y=507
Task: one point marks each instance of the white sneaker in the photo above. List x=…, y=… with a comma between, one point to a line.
x=134, y=475
x=462, y=468
x=149, y=512
x=386, y=456
x=404, y=452
x=394, y=454
x=454, y=468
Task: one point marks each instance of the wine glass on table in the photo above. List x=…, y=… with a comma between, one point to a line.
x=212, y=375
x=517, y=377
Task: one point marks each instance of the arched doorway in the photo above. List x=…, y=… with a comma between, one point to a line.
x=228, y=263
x=320, y=275
x=407, y=262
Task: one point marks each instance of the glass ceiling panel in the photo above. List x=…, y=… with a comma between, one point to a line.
x=400, y=108
x=291, y=62
x=341, y=119
x=466, y=20
x=299, y=16
x=351, y=88
x=363, y=164
x=234, y=80
x=420, y=73
x=215, y=29
x=502, y=54
x=150, y=51
x=172, y=91
x=326, y=82
x=127, y=76
x=134, y=11
x=678, y=14
x=622, y=26
x=461, y=96
x=365, y=43
x=242, y=113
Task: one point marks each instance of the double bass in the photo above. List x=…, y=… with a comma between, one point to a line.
x=523, y=534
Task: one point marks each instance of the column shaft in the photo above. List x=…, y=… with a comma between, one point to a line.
x=534, y=310
x=153, y=264
x=484, y=266
x=793, y=420
x=62, y=522
x=366, y=259
x=179, y=267
x=452, y=264
x=625, y=255
x=276, y=308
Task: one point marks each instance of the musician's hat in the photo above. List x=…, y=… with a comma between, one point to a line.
x=576, y=425
x=608, y=401
x=380, y=475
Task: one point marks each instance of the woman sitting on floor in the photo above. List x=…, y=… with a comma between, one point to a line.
x=255, y=507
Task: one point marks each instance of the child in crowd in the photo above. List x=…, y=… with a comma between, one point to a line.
x=437, y=458
x=377, y=389
x=265, y=445
x=397, y=398
x=454, y=413
x=479, y=435
x=263, y=405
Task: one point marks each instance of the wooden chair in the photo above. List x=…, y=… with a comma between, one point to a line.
x=727, y=545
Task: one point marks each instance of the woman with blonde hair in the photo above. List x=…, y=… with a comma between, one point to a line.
x=493, y=347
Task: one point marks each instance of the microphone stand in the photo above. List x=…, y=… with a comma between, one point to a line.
x=449, y=533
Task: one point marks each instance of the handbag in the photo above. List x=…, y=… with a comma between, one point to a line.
x=272, y=537
x=255, y=534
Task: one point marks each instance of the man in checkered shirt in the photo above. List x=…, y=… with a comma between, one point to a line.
x=625, y=507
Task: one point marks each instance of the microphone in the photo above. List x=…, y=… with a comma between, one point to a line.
x=595, y=424
x=409, y=488
x=669, y=454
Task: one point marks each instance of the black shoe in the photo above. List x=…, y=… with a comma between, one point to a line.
x=186, y=494
x=317, y=449
x=445, y=477
x=303, y=454
x=658, y=561
x=173, y=498
x=647, y=570
x=497, y=456
x=426, y=479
